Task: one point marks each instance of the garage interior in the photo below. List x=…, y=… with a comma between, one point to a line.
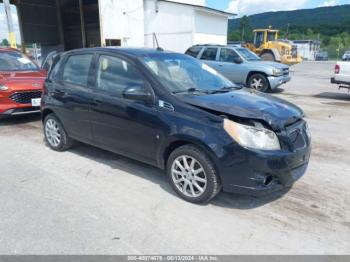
x=59, y=24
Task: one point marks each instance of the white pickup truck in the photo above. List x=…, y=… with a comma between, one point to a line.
x=342, y=75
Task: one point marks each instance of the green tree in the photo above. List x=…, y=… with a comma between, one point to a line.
x=245, y=29
x=5, y=42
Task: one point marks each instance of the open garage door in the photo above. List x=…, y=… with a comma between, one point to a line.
x=59, y=24
x=39, y=22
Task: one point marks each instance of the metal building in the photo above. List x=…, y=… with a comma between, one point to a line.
x=70, y=24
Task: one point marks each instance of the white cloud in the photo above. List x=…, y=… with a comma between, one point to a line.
x=329, y=3
x=249, y=7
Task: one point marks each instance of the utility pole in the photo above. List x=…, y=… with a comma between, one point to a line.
x=12, y=36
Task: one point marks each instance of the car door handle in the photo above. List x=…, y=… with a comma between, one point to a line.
x=97, y=102
x=221, y=65
x=59, y=92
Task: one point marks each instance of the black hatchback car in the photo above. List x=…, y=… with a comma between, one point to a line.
x=176, y=113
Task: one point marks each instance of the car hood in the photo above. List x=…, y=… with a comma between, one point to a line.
x=20, y=75
x=269, y=64
x=249, y=104
x=22, y=80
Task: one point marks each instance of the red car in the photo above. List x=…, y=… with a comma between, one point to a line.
x=21, y=83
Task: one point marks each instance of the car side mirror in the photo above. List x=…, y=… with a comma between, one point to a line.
x=139, y=93
x=237, y=60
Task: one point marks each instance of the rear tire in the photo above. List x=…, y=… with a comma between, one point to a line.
x=192, y=174
x=268, y=57
x=56, y=136
x=259, y=82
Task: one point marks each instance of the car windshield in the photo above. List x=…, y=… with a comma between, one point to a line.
x=247, y=54
x=15, y=61
x=180, y=73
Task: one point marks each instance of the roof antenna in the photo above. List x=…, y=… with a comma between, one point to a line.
x=155, y=39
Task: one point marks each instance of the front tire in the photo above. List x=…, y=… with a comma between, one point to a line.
x=56, y=136
x=192, y=174
x=259, y=82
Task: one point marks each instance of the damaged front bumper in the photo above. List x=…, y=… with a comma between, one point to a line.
x=276, y=81
x=256, y=172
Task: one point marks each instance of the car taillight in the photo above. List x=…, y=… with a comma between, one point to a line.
x=337, y=69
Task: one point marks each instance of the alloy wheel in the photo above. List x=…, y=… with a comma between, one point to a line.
x=52, y=132
x=189, y=176
x=257, y=83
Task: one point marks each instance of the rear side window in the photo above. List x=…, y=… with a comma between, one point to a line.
x=76, y=69
x=209, y=53
x=227, y=55
x=115, y=74
x=193, y=51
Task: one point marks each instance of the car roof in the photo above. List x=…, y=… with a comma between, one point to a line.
x=131, y=51
x=217, y=46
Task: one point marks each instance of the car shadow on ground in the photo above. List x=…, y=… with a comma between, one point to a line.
x=17, y=120
x=334, y=96
x=276, y=91
x=158, y=177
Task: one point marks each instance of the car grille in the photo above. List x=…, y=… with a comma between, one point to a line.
x=25, y=97
x=286, y=71
x=297, y=135
x=294, y=51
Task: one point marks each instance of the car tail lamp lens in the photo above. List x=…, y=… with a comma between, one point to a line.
x=337, y=69
x=3, y=88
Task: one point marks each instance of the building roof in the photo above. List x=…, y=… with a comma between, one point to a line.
x=203, y=8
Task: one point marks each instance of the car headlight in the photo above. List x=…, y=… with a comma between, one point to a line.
x=277, y=71
x=3, y=88
x=307, y=131
x=252, y=137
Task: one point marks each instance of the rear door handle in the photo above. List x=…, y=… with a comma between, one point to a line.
x=59, y=92
x=97, y=102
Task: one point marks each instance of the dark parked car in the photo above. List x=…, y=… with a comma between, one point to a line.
x=322, y=56
x=176, y=113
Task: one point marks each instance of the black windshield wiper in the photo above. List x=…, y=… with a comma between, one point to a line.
x=226, y=89
x=191, y=90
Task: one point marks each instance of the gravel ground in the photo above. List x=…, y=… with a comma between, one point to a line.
x=88, y=201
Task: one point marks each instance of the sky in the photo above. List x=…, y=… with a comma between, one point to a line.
x=239, y=7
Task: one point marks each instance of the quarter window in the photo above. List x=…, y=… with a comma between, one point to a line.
x=193, y=51
x=76, y=69
x=114, y=75
x=209, y=54
x=227, y=55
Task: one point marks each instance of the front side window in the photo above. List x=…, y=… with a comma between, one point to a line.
x=248, y=55
x=227, y=55
x=259, y=38
x=16, y=61
x=115, y=74
x=209, y=54
x=271, y=36
x=194, y=51
x=76, y=69
x=179, y=73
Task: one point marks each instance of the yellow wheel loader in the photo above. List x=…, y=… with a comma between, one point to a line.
x=270, y=48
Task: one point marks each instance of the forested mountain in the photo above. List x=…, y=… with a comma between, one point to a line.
x=325, y=16
x=331, y=25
